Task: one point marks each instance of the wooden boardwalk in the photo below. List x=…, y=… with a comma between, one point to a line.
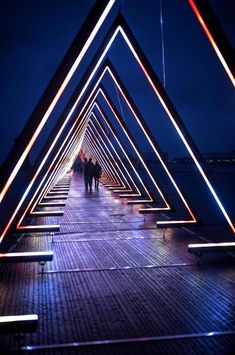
x=116, y=278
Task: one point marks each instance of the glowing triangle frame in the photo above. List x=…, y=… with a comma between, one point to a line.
x=165, y=101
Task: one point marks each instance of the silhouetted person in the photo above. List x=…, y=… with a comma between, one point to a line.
x=89, y=172
x=84, y=165
x=97, y=174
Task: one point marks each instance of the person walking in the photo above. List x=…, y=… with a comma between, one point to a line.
x=90, y=173
x=97, y=174
x=84, y=165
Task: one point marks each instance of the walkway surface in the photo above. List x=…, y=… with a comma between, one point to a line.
x=116, y=277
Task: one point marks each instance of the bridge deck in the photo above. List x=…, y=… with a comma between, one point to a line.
x=115, y=276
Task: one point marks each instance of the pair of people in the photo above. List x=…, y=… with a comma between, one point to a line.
x=91, y=170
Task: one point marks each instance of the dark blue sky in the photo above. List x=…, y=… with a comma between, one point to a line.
x=36, y=34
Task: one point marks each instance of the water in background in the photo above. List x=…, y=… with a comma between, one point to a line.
x=196, y=192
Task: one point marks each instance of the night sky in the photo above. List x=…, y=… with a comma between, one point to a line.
x=35, y=36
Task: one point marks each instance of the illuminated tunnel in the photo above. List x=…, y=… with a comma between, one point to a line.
x=23, y=187
x=143, y=262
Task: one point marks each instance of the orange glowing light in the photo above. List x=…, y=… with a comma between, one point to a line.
x=39, y=227
x=49, y=169
x=101, y=157
x=114, y=150
x=136, y=151
x=109, y=170
x=56, y=98
x=120, y=30
x=104, y=144
x=212, y=41
x=126, y=155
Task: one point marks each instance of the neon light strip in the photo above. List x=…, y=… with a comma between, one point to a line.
x=179, y=132
x=52, y=173
x=58, y=189
x=41, y=213
x=95, y=104
x=61, y=186
x=135, y=149
x=212, y=245
x=57, y=137
x=99, y=157
x=44, y=204
x=60, y=132
x=40, y=184
x=59, y=172
x=19, y=318
x=114, y=150
x=73, y=154
x=69, y=150
x=56, y=98
x=151, y=143
x=107, y=165
x=61, y=163
x=116, y=180
x=63, y=150
x=55, y=172
x=58, y=192
x=119, y=180
x=212, y=41
x=76, y=147
x=53, y=190
x=63, y=197
x=44, y=226
x=176, y=222
x=151, y=210
x=112, y=76
x=116, y=185
x=164, y=106
x=100, y=90
x=102, y=153
x=124, y=152
x=135, y=115
x=138, y=202
x=106, y=171
x=34, y=178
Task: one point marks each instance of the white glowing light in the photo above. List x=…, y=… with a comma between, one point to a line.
x=56, y=98
x=136, y=151
x=212, y=41
x=44, y=226
x=41, y=213
x=105, y=145
x=176, y=222
x=127, y=157
x=179, y=132
x=114, y=150
x=101, y=157
x=151, y=143
x=109, y=167
x=18, y=318
x=26, y=253
x=79, y=128
x=156, y=91
x=212, y=245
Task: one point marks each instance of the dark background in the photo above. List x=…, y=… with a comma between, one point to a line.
x=35, y=36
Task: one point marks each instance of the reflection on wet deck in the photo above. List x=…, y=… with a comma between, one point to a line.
x=116, y=277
